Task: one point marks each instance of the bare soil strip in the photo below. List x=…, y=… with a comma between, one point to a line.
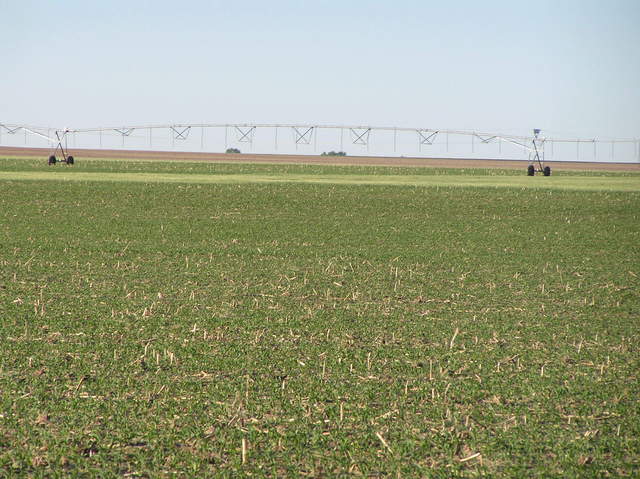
x=314, y=159
x=629, y=183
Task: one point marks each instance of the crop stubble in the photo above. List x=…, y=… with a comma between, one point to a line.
x=317, y=330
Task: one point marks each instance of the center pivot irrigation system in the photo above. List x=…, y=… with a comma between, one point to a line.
x=305, y=136
x=60, y=136
x=536, y=161
x=57, y=143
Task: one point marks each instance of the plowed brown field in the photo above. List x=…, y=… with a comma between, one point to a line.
x=316, y=159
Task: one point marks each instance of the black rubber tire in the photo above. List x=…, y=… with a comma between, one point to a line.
x=546, y=171
x=70, y=160
x=531, y=170
x=52, y=160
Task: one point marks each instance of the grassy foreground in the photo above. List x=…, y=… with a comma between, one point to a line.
x=199, y=328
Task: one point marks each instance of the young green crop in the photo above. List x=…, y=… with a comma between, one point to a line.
x=300, y=329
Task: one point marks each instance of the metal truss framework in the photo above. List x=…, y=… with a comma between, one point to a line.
x=124, y=131
x=426, y=137
x=303, y=136
x=245, y=134
x=306, y=134
x=180, y=133
x=360, y=135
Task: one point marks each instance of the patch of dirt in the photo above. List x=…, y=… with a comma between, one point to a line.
x=80, y=153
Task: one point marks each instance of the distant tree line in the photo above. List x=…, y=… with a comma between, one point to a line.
x=333, y=153
x=233, y=150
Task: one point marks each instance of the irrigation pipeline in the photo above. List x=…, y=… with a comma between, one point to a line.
x=306, y=133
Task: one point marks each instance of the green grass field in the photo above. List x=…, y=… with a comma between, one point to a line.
x=196, y=320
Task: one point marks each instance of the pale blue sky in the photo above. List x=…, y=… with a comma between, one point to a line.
x=570, y=67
